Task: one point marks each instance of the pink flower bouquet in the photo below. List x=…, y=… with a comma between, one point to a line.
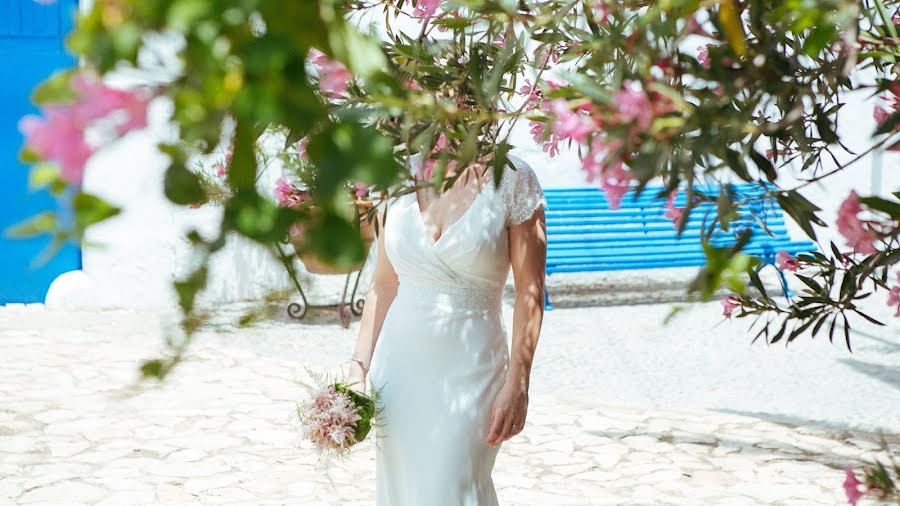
x=336, y=417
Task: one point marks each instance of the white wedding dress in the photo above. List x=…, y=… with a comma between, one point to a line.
x=442, y=353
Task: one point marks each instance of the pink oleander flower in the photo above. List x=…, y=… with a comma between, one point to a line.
x=289, y=195
x=300, y=146
x=550, y=144
x=329, y=419
x=500, y=40
x=785, y=262
x=703, y=56
x=361, y=189
x=603, y=163
x=58, y=138
x=334, y=78
x=602, y=11
x=881, y=115
x=601, y=155
x=634, y=105
x=694, y=27
x=729, y=304
x=859, y=234
x=570, y=124
x=425, y=9
x=615, y=182
x=59, y=135
x=413, y=85
x=894, y=296
x=851, y=487
x=96, y=101
x=676, y=214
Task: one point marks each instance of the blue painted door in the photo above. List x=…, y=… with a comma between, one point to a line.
x=31, y=48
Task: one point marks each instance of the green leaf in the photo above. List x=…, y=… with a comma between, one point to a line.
x=890, y=124
x=818, y=39
x=764, y=165
x=801, y=210
x=182, y=186
x=90, y=209
x=43, y=223
x=886, y=18
x=153, y=369
x=43, y=175
x=736, y=163
x=348, y=151
x=588, y=86
x=363, y=56
x=187, y=289
x=885, y=206
x=27, y=155
x=824, y=125
x=55, y=90
x=258, y=218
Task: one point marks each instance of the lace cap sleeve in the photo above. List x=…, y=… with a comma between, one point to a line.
x=523, y=194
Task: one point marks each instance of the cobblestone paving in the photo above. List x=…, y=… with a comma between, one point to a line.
x=77, y=428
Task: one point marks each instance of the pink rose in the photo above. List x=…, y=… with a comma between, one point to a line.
x=729, y=304
x=851, y=487
x=785, y=262
x=859, y=234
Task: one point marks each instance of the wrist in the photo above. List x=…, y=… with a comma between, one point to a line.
x=519, y=376
x=358, y=367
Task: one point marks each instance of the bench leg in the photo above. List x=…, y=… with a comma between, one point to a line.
x=547, y=305
x=784, y=286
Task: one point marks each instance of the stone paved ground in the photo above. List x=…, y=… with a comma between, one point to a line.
x=76, y=428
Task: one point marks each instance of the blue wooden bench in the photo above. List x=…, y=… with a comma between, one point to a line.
x=585, y=235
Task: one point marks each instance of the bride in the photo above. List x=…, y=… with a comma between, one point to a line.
x=432, y=339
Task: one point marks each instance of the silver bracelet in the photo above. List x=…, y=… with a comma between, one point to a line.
x=362, y=364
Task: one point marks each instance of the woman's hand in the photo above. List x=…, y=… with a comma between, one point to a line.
x=509, y=410
x=356, y=377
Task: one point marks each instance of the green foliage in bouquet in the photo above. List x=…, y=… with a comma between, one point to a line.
x=365, y=407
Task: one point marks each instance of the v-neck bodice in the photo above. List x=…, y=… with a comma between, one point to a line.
x=473, y=250
x=448, y=226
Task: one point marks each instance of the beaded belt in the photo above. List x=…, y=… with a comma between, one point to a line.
x=486, y=298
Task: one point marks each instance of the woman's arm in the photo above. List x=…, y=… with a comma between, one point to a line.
x=528, y=256
x=378, y=300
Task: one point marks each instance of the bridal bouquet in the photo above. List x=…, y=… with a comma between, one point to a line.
x=336, y=417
